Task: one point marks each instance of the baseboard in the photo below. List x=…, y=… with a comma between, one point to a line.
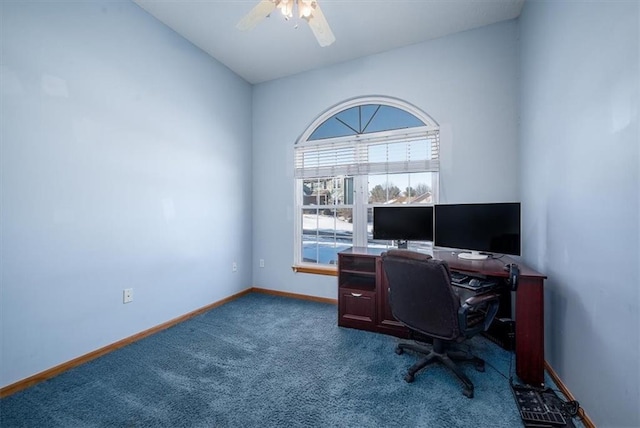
x=582, y=414
x=55, y=371
x=295, y=295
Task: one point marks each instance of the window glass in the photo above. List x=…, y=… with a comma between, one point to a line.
x=392, y=118
x=365, y=119
x=336, y=190
x=326, y=232
x=403, y=188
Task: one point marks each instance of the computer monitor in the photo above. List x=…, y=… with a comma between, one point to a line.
x=403, y=223
x=481, y=228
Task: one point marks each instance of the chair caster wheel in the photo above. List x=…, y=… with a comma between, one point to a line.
x=408, y=378
x=468, y=392
x=399, y=351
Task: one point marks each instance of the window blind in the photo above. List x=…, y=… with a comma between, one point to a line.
x=416, y=151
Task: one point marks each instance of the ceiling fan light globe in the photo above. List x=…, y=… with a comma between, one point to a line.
x=305, y=8
x=286, y=7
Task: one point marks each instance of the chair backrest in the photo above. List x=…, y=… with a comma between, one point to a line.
x=420, y=293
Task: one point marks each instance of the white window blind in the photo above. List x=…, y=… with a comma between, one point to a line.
x=415, y=150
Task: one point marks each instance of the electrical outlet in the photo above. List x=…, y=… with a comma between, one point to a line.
x=261, y=263
x=127, y=295
x=234, y=267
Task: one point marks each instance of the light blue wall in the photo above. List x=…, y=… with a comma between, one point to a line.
x=126, y=162
x=467, y=82
x=580, y=192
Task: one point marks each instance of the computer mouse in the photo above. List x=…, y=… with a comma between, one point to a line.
x=475, y=282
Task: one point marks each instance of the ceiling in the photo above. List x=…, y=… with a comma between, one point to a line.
x=275, y=48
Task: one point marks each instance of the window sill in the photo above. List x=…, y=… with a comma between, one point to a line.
x=317, y=270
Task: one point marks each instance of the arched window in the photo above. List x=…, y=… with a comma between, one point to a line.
x=356, y=155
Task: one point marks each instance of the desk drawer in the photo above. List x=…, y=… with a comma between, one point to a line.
x=357, y=308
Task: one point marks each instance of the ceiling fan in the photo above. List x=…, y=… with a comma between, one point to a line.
x=308, y=10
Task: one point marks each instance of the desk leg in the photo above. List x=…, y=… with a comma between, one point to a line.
x=530, y=331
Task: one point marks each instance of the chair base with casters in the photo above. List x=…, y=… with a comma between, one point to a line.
x=439, y=352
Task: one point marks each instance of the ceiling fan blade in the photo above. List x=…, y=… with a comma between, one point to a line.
x=257, y=14
x=320, y=27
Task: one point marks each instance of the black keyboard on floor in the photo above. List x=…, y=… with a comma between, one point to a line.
x=533, y=409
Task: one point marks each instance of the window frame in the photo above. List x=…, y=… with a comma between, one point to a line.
x=360, y=203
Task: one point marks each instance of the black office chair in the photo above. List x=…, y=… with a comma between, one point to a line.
x=422, y=298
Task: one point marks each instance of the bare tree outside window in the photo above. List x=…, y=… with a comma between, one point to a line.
x=383, y=193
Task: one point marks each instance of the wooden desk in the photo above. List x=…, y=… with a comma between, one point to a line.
x=363, y=301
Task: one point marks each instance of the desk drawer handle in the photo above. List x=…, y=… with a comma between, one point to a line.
x=356, y=294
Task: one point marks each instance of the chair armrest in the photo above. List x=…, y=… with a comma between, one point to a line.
x=488, y=303
x=480, y=299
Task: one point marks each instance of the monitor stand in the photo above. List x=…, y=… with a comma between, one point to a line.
x=402, y=244
x=473, y=255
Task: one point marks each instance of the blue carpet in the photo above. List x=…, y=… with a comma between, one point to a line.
x=266, y=361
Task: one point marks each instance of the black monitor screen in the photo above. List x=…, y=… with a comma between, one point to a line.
x=492, y=228
x=403, y=223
